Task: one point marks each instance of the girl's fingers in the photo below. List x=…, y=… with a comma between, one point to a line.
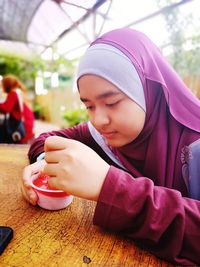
x=51, y=169
x=31, y=172
x=53, y=156
x=27, y=180
x=30, y=195
x=54, y=182
x=55, y=143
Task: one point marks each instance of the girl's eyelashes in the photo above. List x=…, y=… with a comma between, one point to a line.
x=112, y=104
x=106, y=104
x=89, y=107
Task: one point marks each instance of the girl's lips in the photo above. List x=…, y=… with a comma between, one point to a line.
x=109, y=134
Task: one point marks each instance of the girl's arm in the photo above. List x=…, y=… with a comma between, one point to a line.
x=158, y=217
x=167, y=223
x=79, y=132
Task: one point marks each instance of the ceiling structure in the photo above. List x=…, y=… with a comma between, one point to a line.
x=15, y=20
x=42, y=23
x=36, y=25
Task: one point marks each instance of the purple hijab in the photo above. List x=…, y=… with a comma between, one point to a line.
x=172, y=114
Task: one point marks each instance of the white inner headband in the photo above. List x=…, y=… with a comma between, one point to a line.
x=111, y=64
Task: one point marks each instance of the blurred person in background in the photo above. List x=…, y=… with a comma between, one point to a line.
x=15, y=91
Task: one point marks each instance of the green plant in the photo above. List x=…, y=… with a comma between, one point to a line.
x=24, y=68
x=74, y=117
x=183, y=39
x=38, y=111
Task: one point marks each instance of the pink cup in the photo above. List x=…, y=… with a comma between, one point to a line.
x=50, y=199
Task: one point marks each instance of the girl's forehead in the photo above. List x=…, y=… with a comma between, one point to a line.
x=91, y=86
x=95, y=82
x=92, y=77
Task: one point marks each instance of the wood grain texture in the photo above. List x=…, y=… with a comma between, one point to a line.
x=57, y=238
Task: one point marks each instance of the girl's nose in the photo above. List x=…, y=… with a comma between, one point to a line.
x=100, y=118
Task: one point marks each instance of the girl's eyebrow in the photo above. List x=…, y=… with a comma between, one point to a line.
x=99, y=97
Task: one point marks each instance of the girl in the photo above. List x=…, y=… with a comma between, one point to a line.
x=12, y=86
x=136, y=154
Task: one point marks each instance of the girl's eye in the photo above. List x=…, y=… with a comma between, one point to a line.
x=89, y=107
x=112, y=104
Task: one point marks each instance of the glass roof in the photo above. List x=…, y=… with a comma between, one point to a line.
x=65, y=27
x=40, y=23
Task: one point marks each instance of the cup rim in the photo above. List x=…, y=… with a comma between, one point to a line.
x=45, y=190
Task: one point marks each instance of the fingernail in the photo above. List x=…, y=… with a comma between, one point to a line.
x=27, y=185
x=32, y=198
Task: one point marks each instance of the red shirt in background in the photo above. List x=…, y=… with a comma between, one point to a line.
x=11, y=105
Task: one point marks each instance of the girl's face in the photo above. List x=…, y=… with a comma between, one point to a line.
x=118, y=118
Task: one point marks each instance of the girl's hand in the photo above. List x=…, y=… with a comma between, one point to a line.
x=30, y=172
x=74, y=167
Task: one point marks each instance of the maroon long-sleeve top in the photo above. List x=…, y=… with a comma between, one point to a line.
x=167, y=223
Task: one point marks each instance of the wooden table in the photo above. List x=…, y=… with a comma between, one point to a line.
x=57, y=238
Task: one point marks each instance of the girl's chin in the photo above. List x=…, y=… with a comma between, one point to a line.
x=115, y=144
